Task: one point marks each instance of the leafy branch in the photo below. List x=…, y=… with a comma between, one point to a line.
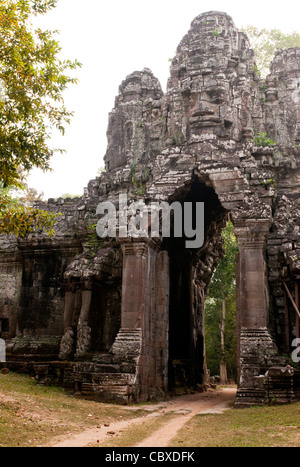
x=21, y=220
x=262, y=139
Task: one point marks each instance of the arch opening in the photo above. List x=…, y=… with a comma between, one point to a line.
x=221, y=314
x=190, y=274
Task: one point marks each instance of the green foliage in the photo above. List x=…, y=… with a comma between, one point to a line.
x=217, y=32
x=101, y=170
x=132, y=170
x=265, y=42
x=34, y=78
x=222, y=287
x=138, y=184
x=223, y=281
x=69, y=196
x=20, y=219
x=257, y=70
x=94, y=242
x=178, y=138
x=139, y=189
x=262, y=139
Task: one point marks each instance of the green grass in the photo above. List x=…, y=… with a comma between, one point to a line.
x=276, y=426
x=33, y=415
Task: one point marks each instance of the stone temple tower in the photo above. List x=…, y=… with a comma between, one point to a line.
x=122, y=318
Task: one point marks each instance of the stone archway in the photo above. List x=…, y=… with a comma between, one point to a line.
x=178, y=286
x=190, y=272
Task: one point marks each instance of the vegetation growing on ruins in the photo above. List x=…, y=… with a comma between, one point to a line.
x=261, y=139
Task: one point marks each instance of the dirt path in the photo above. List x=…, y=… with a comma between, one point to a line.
x=186, y=407
x=189, y=406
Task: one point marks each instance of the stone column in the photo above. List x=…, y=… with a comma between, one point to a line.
x=257, y=351
x=69, y=305
x=127, y=347
x=161, y=329
x=67, y=341
x=133, y=286
x=141, y=347
x=253, y=299
x=83, y=328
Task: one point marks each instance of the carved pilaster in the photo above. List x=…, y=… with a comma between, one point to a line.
x=257, y=351
x=135, y=257
x=251, y=270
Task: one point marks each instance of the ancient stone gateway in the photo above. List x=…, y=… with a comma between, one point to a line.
x=123, y=318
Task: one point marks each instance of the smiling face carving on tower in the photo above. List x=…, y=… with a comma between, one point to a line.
x=283, y=97
x=209, y=105
x=211, y=72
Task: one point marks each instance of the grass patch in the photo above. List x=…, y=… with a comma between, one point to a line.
x=33, y=415
x=277, y=426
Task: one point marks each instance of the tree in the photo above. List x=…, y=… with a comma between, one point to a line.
x=220, y=311
x=33, y=79
x=265, y=42
x=19, y=217
x=69, y=196
x=28, y=196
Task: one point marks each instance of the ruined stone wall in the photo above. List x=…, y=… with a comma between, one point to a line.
x=32, y=285
x=10, y=286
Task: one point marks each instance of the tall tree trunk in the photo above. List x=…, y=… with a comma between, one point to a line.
x=223, y=369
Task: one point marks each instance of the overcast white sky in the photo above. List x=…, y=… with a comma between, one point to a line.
x=112, y=39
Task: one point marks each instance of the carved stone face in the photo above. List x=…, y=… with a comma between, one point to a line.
x=210, y=107
x=283, y=97
x=211, y=73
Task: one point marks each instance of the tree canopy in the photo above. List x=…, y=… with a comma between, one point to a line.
x=33, y=79
x=265, y=43
x=19, y=217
